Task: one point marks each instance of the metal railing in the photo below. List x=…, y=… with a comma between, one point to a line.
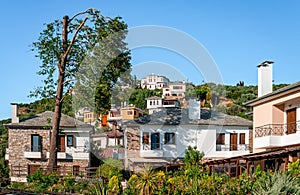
x=277, y=129
x=233, y=147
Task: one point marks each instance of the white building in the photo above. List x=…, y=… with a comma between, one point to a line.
x=156, y=104
x=154, y=81
x=174, y=90
x=164, y=136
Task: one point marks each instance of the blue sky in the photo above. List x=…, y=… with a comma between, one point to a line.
x=238, y=35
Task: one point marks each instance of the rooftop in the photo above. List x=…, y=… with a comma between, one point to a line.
x=180, y=117
x=274, y=94
x=44, y=119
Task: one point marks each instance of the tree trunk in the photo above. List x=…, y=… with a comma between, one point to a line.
x=52, y=165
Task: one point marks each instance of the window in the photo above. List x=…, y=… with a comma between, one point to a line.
x=145, y=138
x=150, y=103
x=129, y=113
x=155, y=141
x=169, y=138
x=242, y=138
x=70, y=140
x=220, y=139
x=76, y=170
x=36, y=143
x=177, y=87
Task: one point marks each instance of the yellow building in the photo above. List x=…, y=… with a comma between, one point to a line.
x=131, y=112
x=88, y=117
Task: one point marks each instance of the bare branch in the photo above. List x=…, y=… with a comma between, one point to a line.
x=80, y=13
x=69, y=92
x=74, y=37
x=67, y=81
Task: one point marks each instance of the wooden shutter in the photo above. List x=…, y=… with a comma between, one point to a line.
x=242, y=138
x=233, y=141
x=221, y=139
x=61, y=143
x=291, y=121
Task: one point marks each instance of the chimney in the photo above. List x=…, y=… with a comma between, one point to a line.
x=194, y=109
x=14, y=113
x=265, y=81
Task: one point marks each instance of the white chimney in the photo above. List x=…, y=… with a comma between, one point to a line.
x=265, y=80
x=14, y=113
x=194, y=109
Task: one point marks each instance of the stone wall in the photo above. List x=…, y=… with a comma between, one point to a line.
x=133, y=138
x=20, y=142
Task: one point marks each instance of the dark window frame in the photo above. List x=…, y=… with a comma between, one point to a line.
x=170, y=138
x=38, y=147
x=76, y=170
x=220, y=139
x=72, y=144
x=242, y=138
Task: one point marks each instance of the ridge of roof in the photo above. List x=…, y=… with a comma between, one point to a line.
x=175, y=116
x=281, y=90
x=44, y=119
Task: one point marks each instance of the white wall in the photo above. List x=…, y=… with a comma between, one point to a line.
x=191, y=135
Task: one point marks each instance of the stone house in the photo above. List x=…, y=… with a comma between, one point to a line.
x=29, y=144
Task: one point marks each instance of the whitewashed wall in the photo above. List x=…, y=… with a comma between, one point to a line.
x=191, y=135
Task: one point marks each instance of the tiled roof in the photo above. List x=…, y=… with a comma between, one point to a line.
x=180, y=117
x=44, y=119
x=153, y=98
x=110, y=134
x=281, y=90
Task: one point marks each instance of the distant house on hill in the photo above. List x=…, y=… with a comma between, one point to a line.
x=154, y=81
x=29, y=144
x=163, y=137
x=156, y=104
x=175, y=90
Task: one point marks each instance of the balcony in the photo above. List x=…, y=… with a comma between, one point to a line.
x=79, y=152
x=233, y=147
x=277, y=135
x=33, y=155
x=151, y=151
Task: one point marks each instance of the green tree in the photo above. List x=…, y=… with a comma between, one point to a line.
x=62, y=56
x=146, y=181
x=192, y=156
x=111, y=167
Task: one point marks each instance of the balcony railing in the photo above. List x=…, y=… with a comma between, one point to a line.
x=233, y=147
x=277, y=129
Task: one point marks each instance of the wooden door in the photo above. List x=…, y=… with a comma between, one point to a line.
x=32, y=169
x=61, y=143
x=291, y=121
x=233, y=141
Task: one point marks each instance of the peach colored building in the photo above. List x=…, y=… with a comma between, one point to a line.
x=276, y=118
x=276, y=128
